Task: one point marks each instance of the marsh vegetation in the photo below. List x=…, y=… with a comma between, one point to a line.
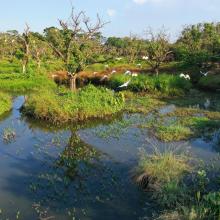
x=122, y=128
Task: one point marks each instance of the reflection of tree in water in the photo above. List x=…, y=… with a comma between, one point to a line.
x=77, y=158
x=77, y=169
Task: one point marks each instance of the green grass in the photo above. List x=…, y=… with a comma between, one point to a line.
x=5, y=103
x=179, y=190
x=7, y=67
x=22, y=83
x=142, y=103
x=174, y=132
x=162, y=167
x=89, y=102
x=211, y=82
x=164, y=83
x=183, y=124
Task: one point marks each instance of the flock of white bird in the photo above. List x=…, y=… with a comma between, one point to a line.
x=187, y=76
x=129, y=73
x=126, y=73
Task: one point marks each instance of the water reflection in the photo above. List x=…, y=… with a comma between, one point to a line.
x=79, y=171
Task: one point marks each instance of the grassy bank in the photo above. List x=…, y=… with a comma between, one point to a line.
x=22, y=83
x=5, y=103
x=179, y=190
x=65, y=106
x=164, y=83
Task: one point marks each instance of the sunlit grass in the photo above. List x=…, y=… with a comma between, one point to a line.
x=5, y=103
x=89, y=102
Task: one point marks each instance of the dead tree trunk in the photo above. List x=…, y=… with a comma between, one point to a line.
x=73, y=82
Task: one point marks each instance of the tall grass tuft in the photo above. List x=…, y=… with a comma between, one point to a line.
x=161, y=167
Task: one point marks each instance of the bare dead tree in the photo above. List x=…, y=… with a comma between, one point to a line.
x=77, y=34
x=25, y=42
x=158, y=48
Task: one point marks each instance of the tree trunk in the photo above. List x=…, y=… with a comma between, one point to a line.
x=23, y=68
x=39, y=64
x=73, y=83
x=25, y=64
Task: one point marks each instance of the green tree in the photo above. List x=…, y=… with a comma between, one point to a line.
x=199, y=44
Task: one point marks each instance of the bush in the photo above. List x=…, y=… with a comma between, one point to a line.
x=89, y=102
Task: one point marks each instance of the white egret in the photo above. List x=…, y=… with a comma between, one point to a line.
x=207, y=103
x=125, y=84
x=204, y=74
x=118, y=58
x=145, y=57
x=128, y=72
x=103, y=78
x=185, y=76
x=134, y=74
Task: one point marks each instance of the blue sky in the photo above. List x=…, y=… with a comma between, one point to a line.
x=126, y=16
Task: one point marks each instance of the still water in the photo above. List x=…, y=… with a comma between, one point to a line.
x=77, y=172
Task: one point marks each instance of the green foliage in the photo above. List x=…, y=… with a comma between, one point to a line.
x=172, y=194
x=7, y=67
x=198, y=44
x=210, y=82
x=5, y=103
x=89, y=102
x=164, y=83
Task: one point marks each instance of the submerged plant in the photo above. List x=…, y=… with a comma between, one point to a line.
x=9, y=135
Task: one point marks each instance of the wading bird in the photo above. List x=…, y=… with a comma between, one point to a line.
x=145, y=57
x=128, y=72
x=185, y=76
x=207, y=103
x=204, y=74
x=134, y=74
x=103, y=78
x=125, y=84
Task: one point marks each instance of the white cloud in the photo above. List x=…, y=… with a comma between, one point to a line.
x=111, y=12
x=141, y=2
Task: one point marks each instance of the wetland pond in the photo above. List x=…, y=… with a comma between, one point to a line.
x=78, y=172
